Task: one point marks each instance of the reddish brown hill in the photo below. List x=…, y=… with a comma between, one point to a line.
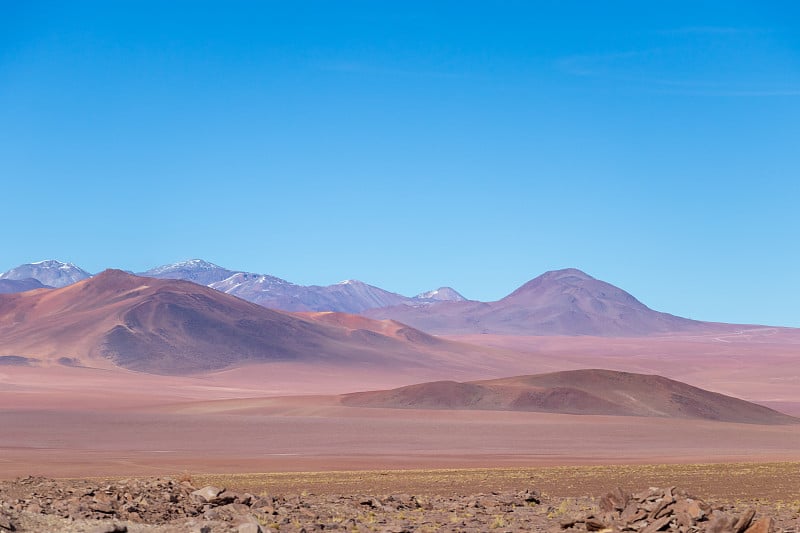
x=174, y=327
x=360, y=325
x=561, y=302
x=585, y=392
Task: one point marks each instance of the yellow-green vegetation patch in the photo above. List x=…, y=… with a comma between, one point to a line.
x=725, y=481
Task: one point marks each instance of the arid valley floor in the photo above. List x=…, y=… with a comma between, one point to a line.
x=223, y=428
x=445, y=431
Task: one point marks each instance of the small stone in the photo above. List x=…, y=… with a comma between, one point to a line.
x=658, y=508
x=694, y=511
x=593, y=524
x=762, y=525
x=658, y=525
x=744, y=521
x=632, y=513
x=110, y=528
x=104, y=508
x=614, y=501
x=720, y=523
x=372, y=503
x=683, y=519
x=249, y=528
x=530, y=496
x=208, y=493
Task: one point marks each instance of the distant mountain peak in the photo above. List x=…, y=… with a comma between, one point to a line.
x=50, y=272
x=258, y=282
x=559, y=302
x=552, y=279
x=443, y=294
x=565, y=273
x=199, y=271
x=188, y=264
x=53, y=263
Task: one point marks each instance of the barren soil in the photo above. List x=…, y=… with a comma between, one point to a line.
x=733, y=496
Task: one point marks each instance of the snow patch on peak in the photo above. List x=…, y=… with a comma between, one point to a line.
x=49, y=272
x=189, y=264
x=442, y=294
x=54, y=263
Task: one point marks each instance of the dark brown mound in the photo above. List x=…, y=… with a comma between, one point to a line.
x=585, y=392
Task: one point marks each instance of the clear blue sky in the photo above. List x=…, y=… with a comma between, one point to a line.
x=655, y=145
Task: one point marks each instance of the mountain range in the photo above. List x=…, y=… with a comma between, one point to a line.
x=560, y=302
x=349, y=296
x=120, y=321
x=116, y=319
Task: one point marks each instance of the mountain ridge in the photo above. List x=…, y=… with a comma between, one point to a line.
x=558, y=302
x=116, y=319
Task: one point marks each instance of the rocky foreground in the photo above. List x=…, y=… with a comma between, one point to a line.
x=169, y=505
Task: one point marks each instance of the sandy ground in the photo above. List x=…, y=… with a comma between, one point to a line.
x=60, y=421
x=314, y=433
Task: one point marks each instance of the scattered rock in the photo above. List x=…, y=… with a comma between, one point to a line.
x=167, y=506
x=667, y=509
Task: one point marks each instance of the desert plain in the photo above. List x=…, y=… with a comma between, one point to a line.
x=293, y=426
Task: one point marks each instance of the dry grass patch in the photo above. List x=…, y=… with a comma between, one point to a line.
x=775, y=482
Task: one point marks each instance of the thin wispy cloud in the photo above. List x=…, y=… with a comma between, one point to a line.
x=649, y=70
x=703, y=59
x=711, y=30
x=742, y=93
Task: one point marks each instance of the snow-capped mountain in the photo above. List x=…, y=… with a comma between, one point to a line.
x=196, y=270
x=50, y=272
x=442, y=294
x=349, y=296
x=257, y=288
x=353, y=296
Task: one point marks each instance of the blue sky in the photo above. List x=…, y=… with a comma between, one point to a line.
x=413, y=144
